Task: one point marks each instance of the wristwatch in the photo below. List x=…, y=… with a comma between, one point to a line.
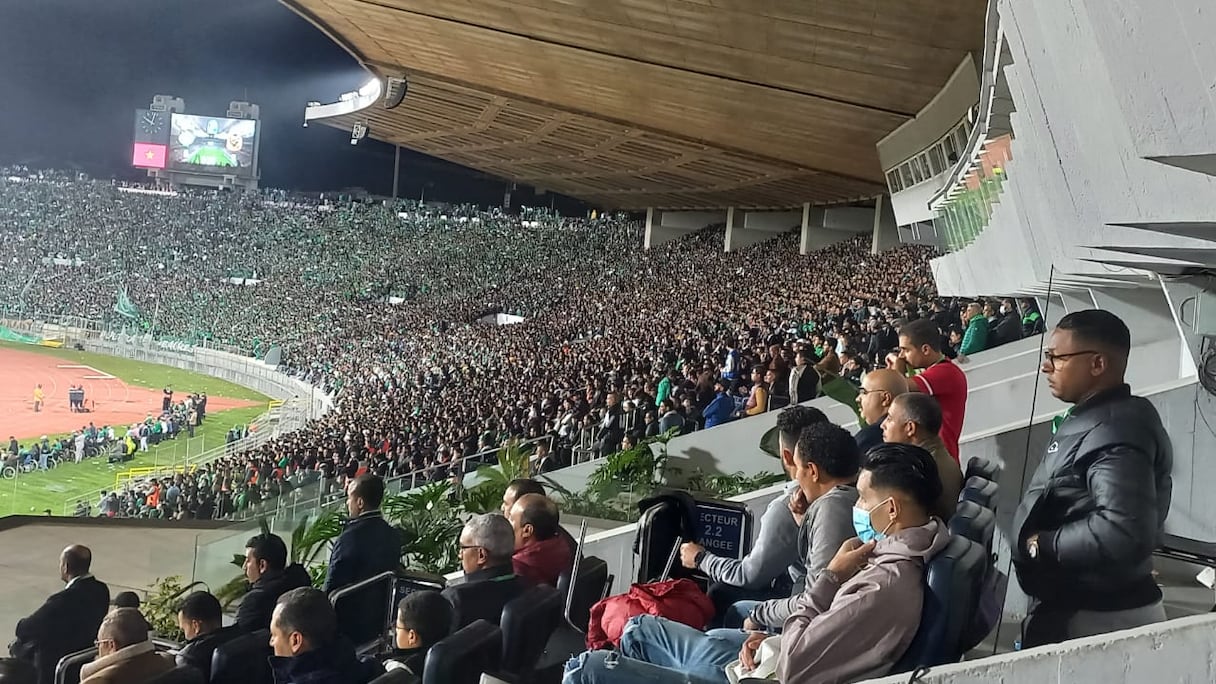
x=696, y=560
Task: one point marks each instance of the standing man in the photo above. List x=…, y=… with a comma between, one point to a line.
x=38, y=396
x=1095, y=508
x=367, y=547
x=69, y=620
x=166, y=401
x=920, y=347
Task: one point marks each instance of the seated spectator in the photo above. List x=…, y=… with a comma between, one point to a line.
x=307, y=649
x=423, y=619
x=721, y=409
x=757, y=398
x=915, y=419
x=14, y=671
x=521, y=486
x=125, y=599
x=267, y=571
x=1006, y=327
x=975, y=327
x=541, y=555
x=825, y=467
x=68, y=621
x=854, y=622
x=487, y=543
x=878, y=389
x=201, y=620
x=669, y=418
x=773, y=567
x=125, y=655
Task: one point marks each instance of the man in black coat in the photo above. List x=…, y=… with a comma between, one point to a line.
x=367, y=547
x=200, y=618
x=267, y=570
x=487, y=544
x=68, y=621
x=1095, y=508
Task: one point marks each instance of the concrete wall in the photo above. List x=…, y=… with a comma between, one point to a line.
x=1099, y=89
x=242, y=370
x=1175, y=651
x=937, y=118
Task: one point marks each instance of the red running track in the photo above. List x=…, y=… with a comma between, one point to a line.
x=110, y=400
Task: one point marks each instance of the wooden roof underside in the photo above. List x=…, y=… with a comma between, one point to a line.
x=666, y=103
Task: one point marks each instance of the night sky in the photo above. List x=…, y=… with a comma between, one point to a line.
x=72, y=73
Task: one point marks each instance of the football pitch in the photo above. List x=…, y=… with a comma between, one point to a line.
x=121, y=392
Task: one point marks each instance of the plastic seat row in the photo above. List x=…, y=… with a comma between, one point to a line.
x=956, y=578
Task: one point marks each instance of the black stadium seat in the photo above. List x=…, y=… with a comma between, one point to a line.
x=981, y=491
x=982, y=467
x=527, y=623
x=244, y=660
x=974, y=522
x=463, y=657
x=183, y=674
x=68, y=669
x=952, y=580
x=398, y=676
x=591, y=586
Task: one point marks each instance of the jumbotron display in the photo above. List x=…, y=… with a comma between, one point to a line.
x=212, y=143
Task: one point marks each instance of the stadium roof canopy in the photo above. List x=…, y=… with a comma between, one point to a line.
x=665, y=103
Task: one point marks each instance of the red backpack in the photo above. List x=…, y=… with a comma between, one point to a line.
x=680, y=600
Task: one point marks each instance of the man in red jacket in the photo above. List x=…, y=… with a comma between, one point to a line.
x=541, y=554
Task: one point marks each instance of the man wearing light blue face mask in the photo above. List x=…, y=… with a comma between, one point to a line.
x=852, y=623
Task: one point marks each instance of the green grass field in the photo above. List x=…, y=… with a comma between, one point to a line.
x=33, y=493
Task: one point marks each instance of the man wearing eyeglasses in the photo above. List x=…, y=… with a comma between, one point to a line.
x=487, y=543
x=878, y=389
x=1094, y=510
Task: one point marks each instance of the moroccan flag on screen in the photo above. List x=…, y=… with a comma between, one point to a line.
x=150, y=156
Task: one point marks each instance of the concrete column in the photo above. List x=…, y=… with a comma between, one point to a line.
x=665, y=226
x=885, y=234
x=804, y=240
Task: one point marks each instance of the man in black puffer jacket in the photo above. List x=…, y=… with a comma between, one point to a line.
x=1093, y=513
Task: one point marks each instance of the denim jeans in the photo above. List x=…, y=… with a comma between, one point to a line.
x=738, y=612
x=659, y=651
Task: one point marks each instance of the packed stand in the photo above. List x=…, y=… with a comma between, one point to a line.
x=616, y=344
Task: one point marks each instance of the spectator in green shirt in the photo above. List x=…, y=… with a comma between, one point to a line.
x=975, y=336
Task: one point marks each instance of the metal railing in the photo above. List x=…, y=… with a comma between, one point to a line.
x=270, y=425
x=291, y=505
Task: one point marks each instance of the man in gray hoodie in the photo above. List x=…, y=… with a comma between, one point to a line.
x=774, y=565
x=854, y=621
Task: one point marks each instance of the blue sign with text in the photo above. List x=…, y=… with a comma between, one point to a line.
x=722, y=529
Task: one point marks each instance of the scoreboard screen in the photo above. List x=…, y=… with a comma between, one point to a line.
x=212, y=143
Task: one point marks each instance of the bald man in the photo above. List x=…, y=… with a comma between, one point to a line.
x=878, y=389
x=67, y=622
x=541, y=555
x=125, y=655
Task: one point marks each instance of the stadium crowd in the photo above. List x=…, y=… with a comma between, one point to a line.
x=616, y=342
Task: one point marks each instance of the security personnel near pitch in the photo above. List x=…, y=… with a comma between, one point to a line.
x=1094, y=511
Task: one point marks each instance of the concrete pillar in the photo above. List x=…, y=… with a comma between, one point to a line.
x=885, y=234
x=665, y=226
x=804, y=240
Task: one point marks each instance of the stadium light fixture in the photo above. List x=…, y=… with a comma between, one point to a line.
x=358, y=132
x=395, y=90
